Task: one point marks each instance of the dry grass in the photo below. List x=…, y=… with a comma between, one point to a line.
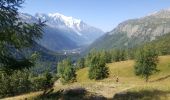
x=28, y=96
x=135, y=88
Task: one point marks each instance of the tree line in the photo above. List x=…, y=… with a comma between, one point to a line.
x=16, y=77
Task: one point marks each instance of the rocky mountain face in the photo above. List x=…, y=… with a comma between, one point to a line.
x=64, y=33
x=136, y=31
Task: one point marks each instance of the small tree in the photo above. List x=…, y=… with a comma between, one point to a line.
x=123, y=55
x=106, y=55
x=61, y=66
x=48, y=82
x=69, y=75
x=119, y=55
x=66, y=71
x=146, y=63
x=81, y=63
x=97, y=68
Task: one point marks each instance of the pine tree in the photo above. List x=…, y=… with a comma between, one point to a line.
x=107, y=57
x=66, y=71
x=15, y=35
x=97, y=68
x=69, y=75
x=81, y=63
x=146, y=63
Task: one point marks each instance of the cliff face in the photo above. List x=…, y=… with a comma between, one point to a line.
x=135, y=31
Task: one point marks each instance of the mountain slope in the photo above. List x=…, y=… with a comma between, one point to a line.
x=64, y=32
x=161, y=44
x=46, y=59
x=129, y=87
x=136, y=31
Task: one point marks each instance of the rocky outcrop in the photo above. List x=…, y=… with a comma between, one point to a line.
x=136, y=31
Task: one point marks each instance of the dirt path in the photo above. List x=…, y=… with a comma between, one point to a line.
x=105, y=89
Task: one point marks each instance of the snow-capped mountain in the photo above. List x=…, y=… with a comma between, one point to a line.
x=67, y=21
x=64, y=32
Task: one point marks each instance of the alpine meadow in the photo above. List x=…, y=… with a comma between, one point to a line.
x=84, y=50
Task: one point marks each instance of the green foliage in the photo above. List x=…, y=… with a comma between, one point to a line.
x=97, y=67
x=119, y=55
x=161, y=44
x=15, y=35
x=80, y=63
x=39, y=83
x=69, y=75
x=88, y=57
x=42, y=82
x=21, y=82
x=107, y=42
x=66, y=71
x=106, y=55
x=146, y=62
x=14, y=84
x=61, y=66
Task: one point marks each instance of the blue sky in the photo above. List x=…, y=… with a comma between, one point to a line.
x=104, y=14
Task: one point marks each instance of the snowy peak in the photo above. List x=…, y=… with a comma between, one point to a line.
x=63, y=29
x=70, y=24
x=59, y=20
x=69, y=21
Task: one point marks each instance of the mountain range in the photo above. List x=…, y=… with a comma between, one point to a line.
x=133, y=32
x=62, y=32
x=66, y=33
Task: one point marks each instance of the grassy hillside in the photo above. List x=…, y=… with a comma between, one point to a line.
x=129, y=87
x=136, y=87
x=125, y=70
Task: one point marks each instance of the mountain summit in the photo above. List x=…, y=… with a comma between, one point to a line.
x=64, y=33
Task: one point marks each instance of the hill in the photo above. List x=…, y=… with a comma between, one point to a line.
x=46, y=59
x=129, y=87
x=134, y=32
x=161, y=44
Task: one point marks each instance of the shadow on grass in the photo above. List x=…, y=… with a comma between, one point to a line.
x=83, y=94
x=162, y=78
x=142, y=95
x=70, y=94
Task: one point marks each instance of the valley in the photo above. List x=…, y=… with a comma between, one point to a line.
x=84, y=50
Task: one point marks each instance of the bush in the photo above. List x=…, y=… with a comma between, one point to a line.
x=14, y=84
x=38, y=83
x=42, y=82
x=20, y=82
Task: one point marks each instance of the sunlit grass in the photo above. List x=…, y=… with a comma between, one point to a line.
x=136, y=87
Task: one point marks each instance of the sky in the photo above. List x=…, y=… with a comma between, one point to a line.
x=103, y=14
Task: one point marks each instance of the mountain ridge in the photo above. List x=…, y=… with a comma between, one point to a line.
x=135, y=32
x=64, y=33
